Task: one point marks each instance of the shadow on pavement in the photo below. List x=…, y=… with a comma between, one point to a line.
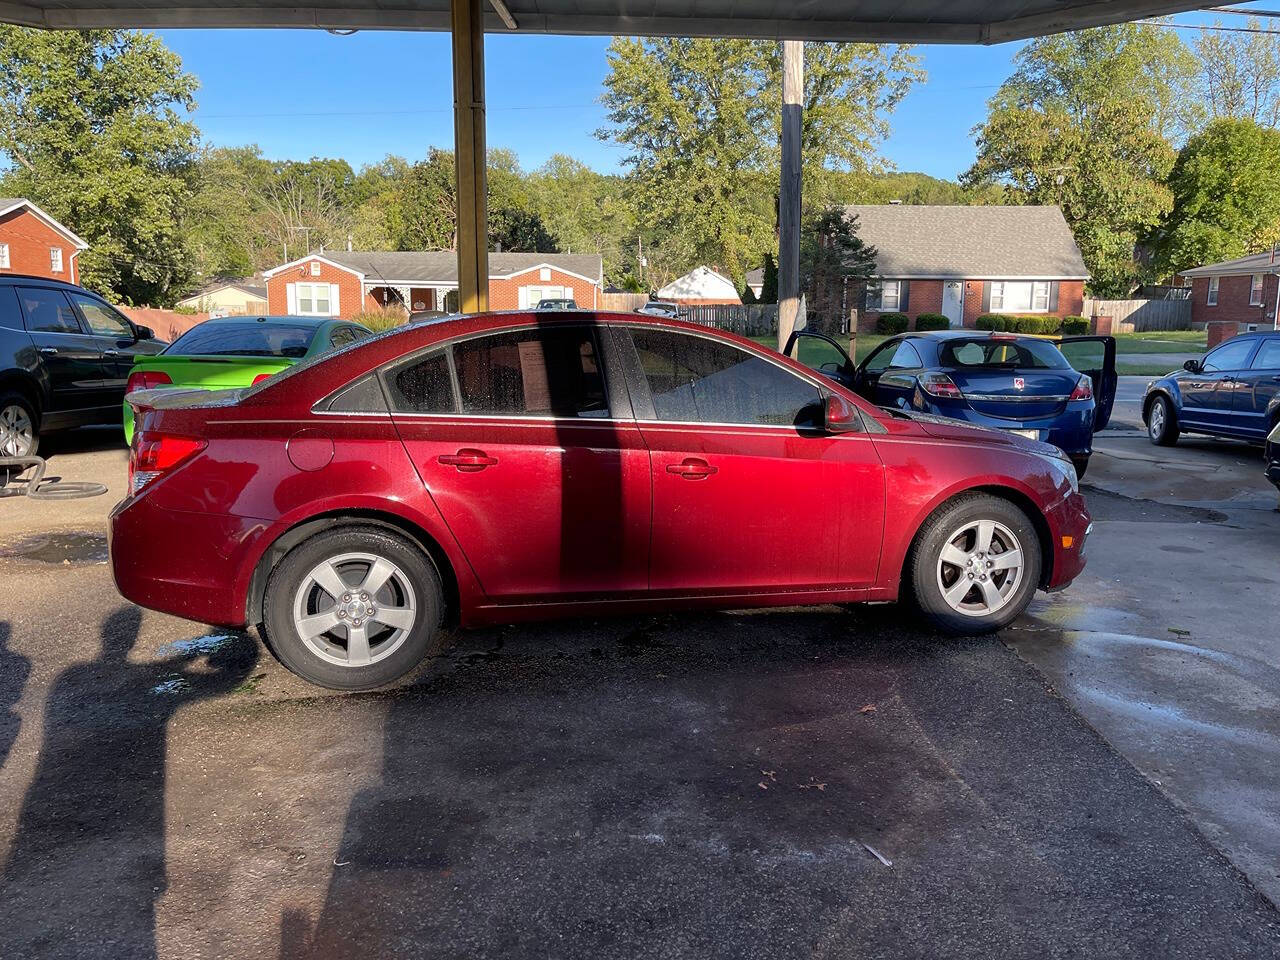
x=90, y=842
x=14, y=670
x=769, y=785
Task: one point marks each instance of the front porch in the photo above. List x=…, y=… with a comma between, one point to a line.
x=412, y=297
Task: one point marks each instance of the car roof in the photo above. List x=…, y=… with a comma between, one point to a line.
x=286, y=320
x=967, y=332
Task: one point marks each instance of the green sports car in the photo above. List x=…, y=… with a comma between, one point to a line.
x=230, y=352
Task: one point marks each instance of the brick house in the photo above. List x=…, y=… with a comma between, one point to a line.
x=1234, y=296
x=962, y=262
x=344, y=283
x=34, y=243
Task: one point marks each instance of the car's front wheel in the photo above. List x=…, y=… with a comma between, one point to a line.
x=353, y=608
x=975, y=564
x=19, y=426
x=1162, y=423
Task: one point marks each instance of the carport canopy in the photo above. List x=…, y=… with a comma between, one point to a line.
x=907, y=21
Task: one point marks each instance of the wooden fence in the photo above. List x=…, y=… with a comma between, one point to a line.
x=166, y=324
x=1135, y=316
x=623, y=302
x=747, y=320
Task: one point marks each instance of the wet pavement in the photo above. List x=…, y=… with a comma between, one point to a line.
x=1098, y=781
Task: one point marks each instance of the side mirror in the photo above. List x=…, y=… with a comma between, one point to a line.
x=143, y=333
x=842, y=416
x=1192, y=366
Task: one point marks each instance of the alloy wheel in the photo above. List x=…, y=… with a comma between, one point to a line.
x=980, y=568
x=17, y=432
x=354, y=609
x=1156, y=425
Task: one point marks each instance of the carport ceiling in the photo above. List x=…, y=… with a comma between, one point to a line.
x=925, y=21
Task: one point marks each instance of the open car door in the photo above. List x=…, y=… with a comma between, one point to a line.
x=1096, y=358
x=823, y=354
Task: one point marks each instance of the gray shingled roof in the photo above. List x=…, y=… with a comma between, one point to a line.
x=441, y=266
x=994, y=243
x=1254, y=263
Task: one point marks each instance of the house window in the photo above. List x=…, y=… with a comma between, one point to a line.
x=544, y=274
x=55, y=259
x=530, y=296
x=313, y=299
x=1255, y=290
x=890, y=296
x=315, y=269
x=1020, y=297
x=4, y=256
x=1212, y=299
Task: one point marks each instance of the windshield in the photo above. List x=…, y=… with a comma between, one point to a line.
x=245, y=340
x=991, y=353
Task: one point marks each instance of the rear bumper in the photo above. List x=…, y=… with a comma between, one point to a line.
x=1070, y=431
x=1069, y=528
x=192, y=565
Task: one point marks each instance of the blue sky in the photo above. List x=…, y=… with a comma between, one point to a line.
x=299, y=94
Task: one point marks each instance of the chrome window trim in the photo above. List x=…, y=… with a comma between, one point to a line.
x=1017, y=397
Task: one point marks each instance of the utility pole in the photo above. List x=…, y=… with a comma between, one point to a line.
x=789, y=188
x=470, y=156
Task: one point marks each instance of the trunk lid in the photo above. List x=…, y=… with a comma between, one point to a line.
x=212, y=372
x=1015, y=394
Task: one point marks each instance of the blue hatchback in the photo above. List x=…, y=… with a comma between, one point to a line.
x=1234, y=391
x=1057, y=391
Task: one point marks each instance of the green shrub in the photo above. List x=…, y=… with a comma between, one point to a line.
x=379, y=320
x=1074, y=326
x=932, y=321
x=186, y=311
x=995, y=322
x=891, y=323
x=1008, y=323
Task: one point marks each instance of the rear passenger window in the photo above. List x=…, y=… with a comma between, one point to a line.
x=48, y=311
x=542, y=372
x=423, y=385
x=10, y=312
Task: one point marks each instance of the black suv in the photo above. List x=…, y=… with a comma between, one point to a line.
x=65, y=356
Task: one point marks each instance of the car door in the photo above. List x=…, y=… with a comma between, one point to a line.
x=1095, y=357
x=1255, y=394
x=749, y=493
x=117, y=339
x=529, y=450
x=897, y=382
x=873, y=368
x=1207, y=393
x=71, y=355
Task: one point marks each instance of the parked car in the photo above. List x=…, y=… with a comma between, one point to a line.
x=493, y=468
x=557, y=304
x=237, y=352
x=65, y=356
x=1058, y=391
x=1233, y=391
x=660, y=308
x=1271, y=456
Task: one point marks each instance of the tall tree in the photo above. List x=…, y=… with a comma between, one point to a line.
x=1226, y=196
x=832, y=256
x=1081, y=124
x=1240, y=73
x=93, y=124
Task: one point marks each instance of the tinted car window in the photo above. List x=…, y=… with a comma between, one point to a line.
x=1229, y=356
x=102, y=320
x=423, y=385
x=342, y=336
x=363, y=396
x=695, y=379
x=543, y=372
x=1003, y=354
x=244, y=340
x=905, y=357
x=1268, y=357
x=48, y=311
x=10, y=312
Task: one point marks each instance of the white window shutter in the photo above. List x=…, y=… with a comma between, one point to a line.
x=291, y=298
x=334, y=311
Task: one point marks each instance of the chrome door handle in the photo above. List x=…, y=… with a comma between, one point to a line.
x=49, y=351
x=111, y=353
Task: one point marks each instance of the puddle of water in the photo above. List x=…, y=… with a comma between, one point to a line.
x=169, y=687
x=64, y=548
x=196, y=646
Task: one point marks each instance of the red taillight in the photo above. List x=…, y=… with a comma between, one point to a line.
x=940, y=385
x=1083, y=390
x=153, y=455
x=259, y=378
x=147, y=380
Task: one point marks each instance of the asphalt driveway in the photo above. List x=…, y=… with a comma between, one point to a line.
x=770, y=784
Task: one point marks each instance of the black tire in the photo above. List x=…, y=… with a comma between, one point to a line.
x=12, y=400
x=923, y=564
x=1081, y=465
x=282, y=636
x=1162, y=427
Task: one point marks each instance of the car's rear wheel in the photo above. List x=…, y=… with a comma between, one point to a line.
x=1162, y=423
x=975, y=564
x=353, y=608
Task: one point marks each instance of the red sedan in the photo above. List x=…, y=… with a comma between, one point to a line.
x=501, y=467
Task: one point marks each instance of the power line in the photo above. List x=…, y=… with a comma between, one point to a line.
x=1215, y=27
x=380, y=113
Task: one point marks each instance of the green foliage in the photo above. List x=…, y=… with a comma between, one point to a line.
x=747, y=295
x=891, y=323
x=189, y=311
x=1226, y=196
x=1081, y=124
x=1009, y=323
x=379, y=320
x=932, y=321
x=1075, y=326
x=831, y=256
x=769, y=286
x=91, y=120
x=1240, y=73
